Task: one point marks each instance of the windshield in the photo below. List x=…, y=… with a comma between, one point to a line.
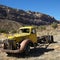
x=23, y=31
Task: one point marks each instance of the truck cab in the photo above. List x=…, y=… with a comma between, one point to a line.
x=30, y=31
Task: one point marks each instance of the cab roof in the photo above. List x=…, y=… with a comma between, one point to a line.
x=29, y=27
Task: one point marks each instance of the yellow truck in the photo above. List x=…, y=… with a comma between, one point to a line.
x=25, y=38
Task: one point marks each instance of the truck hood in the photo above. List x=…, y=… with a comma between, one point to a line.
x=17, y=35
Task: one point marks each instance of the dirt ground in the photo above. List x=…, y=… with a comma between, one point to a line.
x=51, y=52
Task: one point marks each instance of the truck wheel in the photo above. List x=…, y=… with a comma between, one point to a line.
x=25, y=46
x=52, y=39
x=27, y=49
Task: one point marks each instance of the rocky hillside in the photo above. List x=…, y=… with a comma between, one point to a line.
x=25, y=17
x=7, y=25
x=8, y=14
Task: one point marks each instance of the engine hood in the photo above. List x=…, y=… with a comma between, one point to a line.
x=17, y=35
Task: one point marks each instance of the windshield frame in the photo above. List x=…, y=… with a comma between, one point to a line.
x=25, y=30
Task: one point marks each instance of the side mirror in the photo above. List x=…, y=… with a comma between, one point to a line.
x=33, y=31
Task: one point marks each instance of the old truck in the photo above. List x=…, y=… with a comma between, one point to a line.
x=25, y=38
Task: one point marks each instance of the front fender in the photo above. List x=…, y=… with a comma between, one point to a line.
x=24, y=44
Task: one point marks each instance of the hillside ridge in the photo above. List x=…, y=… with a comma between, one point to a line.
x=12, y=19
x=25, y=17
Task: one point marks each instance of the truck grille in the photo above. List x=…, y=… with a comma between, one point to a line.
x=9, y=44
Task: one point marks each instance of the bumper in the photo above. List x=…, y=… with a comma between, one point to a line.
x=11, y=51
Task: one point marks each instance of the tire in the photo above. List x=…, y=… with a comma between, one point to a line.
x=52, y=39
x=27, y=49
x=25, y=46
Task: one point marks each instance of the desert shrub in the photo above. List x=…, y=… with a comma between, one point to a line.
x=42, y=28
x=3, y=31
x=54, y=25
x=13, y=31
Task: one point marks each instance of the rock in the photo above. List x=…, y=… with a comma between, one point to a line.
x=25, y=17
x=12, y=19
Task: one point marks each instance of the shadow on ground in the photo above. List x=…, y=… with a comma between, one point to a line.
x=33, y=53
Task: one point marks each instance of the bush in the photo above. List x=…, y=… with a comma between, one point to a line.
x=42, y=28
x=13, y=31
x=3, y=31
x=54, y=25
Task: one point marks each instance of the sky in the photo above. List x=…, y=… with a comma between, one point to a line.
x=50, y=7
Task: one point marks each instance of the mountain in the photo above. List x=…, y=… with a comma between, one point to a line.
x=24, y=17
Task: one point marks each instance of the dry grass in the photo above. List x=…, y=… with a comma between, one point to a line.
x=52, y=52
x=49, y=31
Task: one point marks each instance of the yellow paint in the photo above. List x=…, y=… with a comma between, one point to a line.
x=19, y=37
